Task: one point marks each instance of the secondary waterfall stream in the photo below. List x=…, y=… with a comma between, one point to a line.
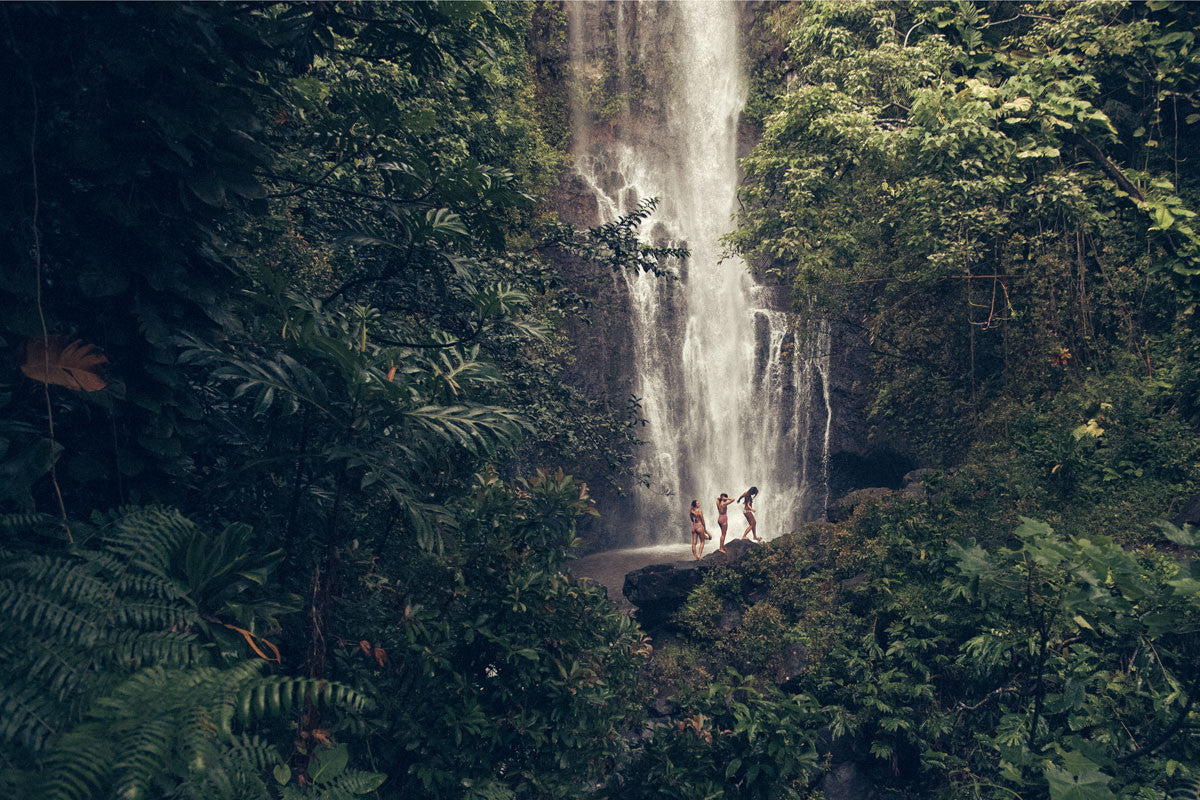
x=733, y=385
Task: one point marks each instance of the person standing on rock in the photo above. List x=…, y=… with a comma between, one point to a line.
x=747, y=499
x=699, y=534
x=723, y=502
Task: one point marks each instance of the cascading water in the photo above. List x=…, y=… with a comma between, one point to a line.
x=734, y=391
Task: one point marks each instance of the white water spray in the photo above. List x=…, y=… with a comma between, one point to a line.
x=735, y=393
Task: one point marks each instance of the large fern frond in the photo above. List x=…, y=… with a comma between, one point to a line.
x=74, y=623
x=1186, y=789
x=150, y=537
x=135, y=734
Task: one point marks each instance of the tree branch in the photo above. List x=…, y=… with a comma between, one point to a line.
x=1121, y=179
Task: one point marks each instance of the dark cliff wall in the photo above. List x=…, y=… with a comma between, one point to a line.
x=600, y=363
x=602, y=353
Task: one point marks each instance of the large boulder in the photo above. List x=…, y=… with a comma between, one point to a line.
x=735, y=550
x=843, y=508
x=659, y=590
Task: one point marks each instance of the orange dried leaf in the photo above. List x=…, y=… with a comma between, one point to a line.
x=73, y=365
x=250, y=640
x=365, y=646
x=322, y=736
x=381, y=656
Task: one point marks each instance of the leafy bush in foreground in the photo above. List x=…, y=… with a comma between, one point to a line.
x=1046, y=663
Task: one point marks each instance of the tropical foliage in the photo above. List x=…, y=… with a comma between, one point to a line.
x=995, y=196
x=285, y=405
x=1044, y=666
x=282, y=264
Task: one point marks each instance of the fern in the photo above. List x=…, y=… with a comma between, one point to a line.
x=105, y=690
x=1187, y=789
x=73, y=624
x=150, y=537
x=26, y=522
x=349, y=785
x=183, y=726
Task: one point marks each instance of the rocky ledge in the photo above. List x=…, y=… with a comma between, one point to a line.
x=659, y=590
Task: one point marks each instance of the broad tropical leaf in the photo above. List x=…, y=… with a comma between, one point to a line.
x=73, y=365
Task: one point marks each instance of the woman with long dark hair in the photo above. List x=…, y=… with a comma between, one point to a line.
x=747, y=499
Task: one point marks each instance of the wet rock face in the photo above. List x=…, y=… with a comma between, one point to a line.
x=575, y=202
x=846, y=779
x=602, y=350
x=793, y=658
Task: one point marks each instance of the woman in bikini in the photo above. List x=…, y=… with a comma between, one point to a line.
x=699, y=534
x=723, y=502
x=747, y=498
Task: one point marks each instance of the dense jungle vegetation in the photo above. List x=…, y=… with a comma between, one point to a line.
x=284, y=428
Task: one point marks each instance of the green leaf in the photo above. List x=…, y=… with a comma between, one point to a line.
x=1032, y=527
x=1080, y=779
x=1163, y=218
x=1187, y=536
x=445, y=221
x=328, y=764
x=283, y=773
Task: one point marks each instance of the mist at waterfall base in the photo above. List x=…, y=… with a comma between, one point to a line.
x=734, y=388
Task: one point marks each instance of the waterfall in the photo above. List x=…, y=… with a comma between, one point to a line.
x=735, y=389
